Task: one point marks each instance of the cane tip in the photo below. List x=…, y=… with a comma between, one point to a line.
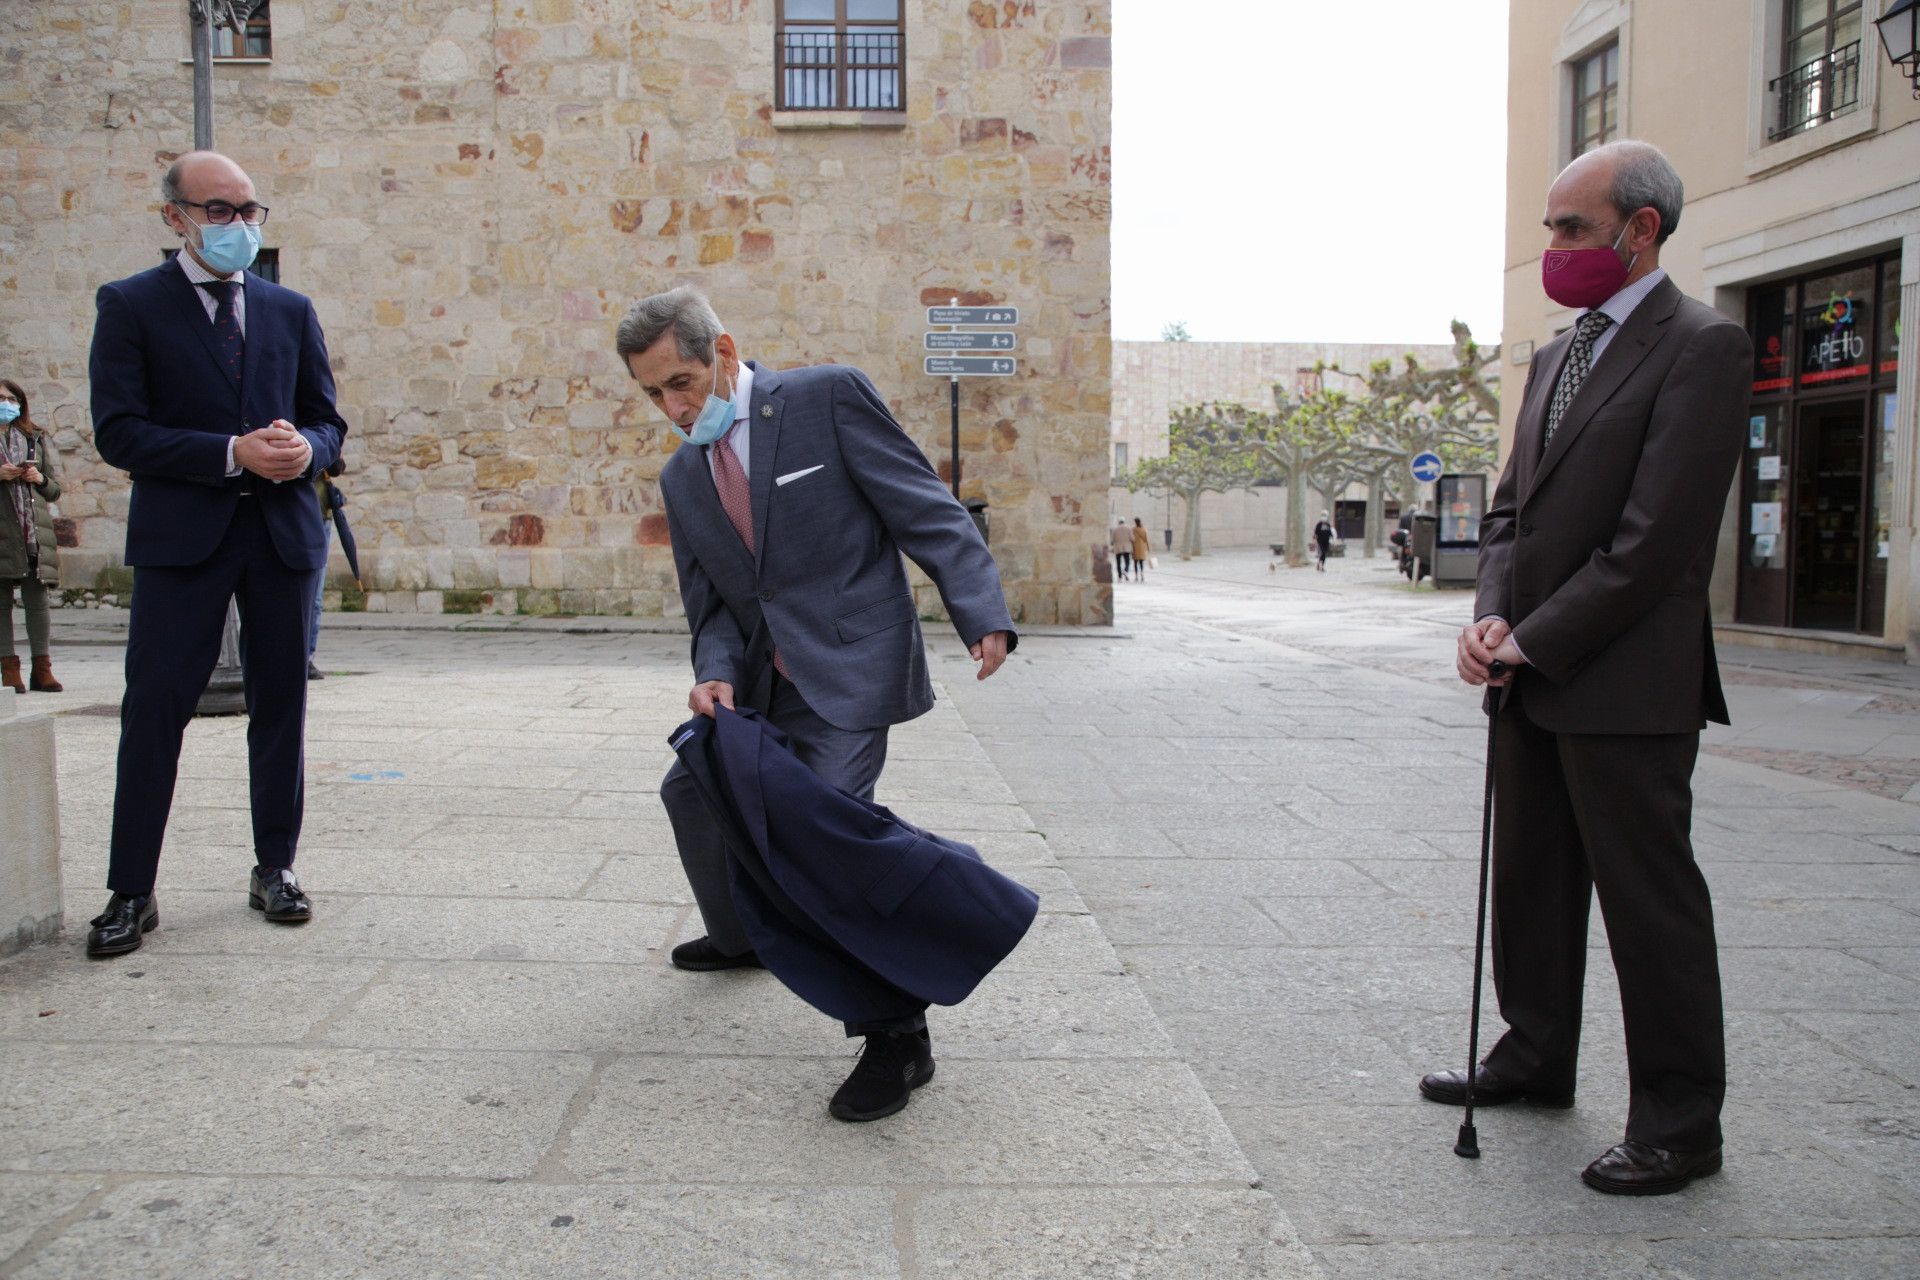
x=1467, y=1145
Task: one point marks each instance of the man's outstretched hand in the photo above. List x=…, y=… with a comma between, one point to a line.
x=990, y=651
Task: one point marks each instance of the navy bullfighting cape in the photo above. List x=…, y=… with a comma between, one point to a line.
x=863, y=915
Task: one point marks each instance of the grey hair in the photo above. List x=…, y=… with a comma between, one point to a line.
x=687, y=312
x=1643, y=178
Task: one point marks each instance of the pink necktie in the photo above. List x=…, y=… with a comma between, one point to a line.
x=736, y=499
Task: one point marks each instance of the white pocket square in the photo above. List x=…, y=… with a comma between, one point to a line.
x=795, y=475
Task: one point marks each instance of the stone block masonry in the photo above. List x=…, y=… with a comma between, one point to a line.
x=473, y=193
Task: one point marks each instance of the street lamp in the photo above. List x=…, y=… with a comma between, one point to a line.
x=1900, y=33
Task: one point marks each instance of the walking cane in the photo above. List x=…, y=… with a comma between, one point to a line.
x=1467, y=1145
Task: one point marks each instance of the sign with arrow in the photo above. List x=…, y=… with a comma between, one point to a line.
x=978, y=341
x=970, y=366
x=1426, y=467
x=973, y=315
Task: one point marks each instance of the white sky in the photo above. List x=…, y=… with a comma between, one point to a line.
x=1309, y=170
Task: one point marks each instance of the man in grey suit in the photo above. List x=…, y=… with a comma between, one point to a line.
x=788, y=519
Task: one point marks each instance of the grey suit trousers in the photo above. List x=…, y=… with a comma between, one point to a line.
x=850, y=759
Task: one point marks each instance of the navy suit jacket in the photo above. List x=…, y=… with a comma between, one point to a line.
x=863, y=915
x=164, y=408
x=839, y=491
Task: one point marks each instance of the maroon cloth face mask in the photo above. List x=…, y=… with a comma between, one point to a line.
x=1584, y=277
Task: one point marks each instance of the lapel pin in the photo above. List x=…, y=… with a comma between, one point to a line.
x=766, y=411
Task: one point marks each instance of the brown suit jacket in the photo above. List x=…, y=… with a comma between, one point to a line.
x=1598, y=549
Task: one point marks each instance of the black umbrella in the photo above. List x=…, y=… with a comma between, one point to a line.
x=337, y=505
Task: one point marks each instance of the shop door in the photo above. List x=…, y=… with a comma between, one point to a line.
x=1830, y=529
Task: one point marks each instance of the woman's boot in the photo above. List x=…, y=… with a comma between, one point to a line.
x=43, y=681
x=10, y=675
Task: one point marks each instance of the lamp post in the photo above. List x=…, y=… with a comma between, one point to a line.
x=1900, y=33
x=225, y=694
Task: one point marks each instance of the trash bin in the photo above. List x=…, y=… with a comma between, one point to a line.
x=977, y=508
x=1426, y=527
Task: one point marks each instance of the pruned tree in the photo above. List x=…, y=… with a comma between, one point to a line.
x=1298, y=441
x=1452, y=411
x=1175, y=331
x=1207, y=452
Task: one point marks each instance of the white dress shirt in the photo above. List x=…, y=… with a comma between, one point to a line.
x=740, y=441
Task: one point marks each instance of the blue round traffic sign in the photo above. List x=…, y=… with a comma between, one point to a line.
x=1426, y=467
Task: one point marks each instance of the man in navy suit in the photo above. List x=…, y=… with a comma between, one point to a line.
x=212, y=389
x=788, y=520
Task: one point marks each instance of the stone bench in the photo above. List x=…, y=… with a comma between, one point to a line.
x=30, y=903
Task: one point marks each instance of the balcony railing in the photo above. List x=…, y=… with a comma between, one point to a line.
x=1815, y=93
x=858, y=70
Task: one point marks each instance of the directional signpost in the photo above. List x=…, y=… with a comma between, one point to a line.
x=977, y=337
x=1426, y=467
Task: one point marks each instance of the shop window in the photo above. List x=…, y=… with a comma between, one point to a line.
x=1819, y=64
x=839, y=55
x=1835, y=311
x=1120, y=458
x=1771, y=326
x=1596, y=99
x=1888, y=325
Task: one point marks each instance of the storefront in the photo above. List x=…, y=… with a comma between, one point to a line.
x=1817, y=477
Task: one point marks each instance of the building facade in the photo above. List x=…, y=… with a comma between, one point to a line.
x=1152, y=379
x=1800, y=147
x=473, y=193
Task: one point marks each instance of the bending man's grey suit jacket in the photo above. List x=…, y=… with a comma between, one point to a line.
x=839, y=491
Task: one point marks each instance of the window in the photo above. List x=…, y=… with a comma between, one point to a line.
x=1120, y=458
x=1596, y=99
x=840, y=55
x=1819, y=64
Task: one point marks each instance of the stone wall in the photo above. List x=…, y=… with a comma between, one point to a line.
x=473, y=193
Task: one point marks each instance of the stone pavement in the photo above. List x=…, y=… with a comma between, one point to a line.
x=476, y=1061
x=1265, y=785
x=1268, y=791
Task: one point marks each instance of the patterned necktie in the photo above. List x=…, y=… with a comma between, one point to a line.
x=226, y=326
x=736, y=499
x=1579, y=364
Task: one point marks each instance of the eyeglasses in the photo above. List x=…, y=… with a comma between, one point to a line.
x=220, y=213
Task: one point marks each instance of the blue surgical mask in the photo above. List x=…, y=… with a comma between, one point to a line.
x=8, y=411
x=715, y=420
x=230, y=248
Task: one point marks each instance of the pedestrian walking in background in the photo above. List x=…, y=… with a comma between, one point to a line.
x=212, y=388
x=1142, y=548
x=29, y=555
x=1122, y=542
x=1592, y=587
x=1322, y=542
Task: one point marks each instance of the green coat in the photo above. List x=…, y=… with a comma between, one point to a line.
x=13, y=548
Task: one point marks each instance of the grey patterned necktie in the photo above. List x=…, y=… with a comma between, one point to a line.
x=1579, y=364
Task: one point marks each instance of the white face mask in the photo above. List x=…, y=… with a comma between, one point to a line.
x=715, y=420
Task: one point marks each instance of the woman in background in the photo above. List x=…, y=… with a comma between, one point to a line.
x=29, y=556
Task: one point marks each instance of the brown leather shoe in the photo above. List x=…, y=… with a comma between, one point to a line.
x=1636, y=1169
x=43, y=681
x=1450, y=1087
x=10, y=675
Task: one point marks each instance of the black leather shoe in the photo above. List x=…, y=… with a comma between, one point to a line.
x=891, y=1067
x=1636, y=1169
x=1489, y=1090
x=119, y=928
x=701, y=956
x=313, y=672
x=279, y=895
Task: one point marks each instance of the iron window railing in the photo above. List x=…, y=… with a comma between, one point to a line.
x=1816, y=92
x=841, y=55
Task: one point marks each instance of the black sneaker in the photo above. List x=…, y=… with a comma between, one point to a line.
x=891, y=1067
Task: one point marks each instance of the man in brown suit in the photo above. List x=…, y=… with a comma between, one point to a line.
x=1594, y=561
